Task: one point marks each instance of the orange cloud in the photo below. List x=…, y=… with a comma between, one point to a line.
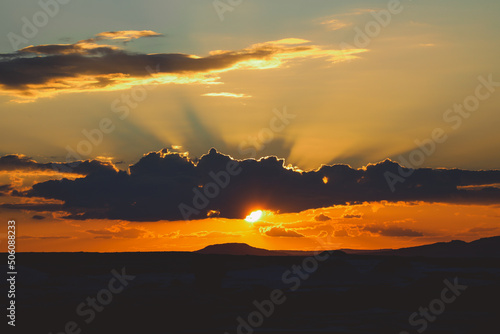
x=201, y=234
x=127, y=35
x=121, y=231
x=225, y=94
x=281, y=232
x=89, y=66
x=334, y=24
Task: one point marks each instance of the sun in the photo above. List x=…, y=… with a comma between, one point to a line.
x=254, y=216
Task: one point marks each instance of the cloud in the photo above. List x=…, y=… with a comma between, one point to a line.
x=351, y=216
x=45, y=70
x=225, y=94
x=127, y=35
x=37, y=207
x=480, y=187
x=5, y=189
x=321, y=218
x=208, y=234
x=335, y=24
x=343, y=20
x=18, y=162
x=357, y=12
x=282, y=232
x=38, y=217
x=155, y=187
x=80, y=48
x=482, y=229
x=120, y=231
x=213, y=213
x=26, y=237
x=201, y=234
x=392, y=231
x=303, y=225
x=323, y=234
x=87, y=46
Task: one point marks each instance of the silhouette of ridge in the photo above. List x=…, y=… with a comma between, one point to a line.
x=484, y=247
x=238, y=249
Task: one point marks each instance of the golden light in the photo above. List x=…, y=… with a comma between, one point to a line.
x=325, y=180
x=254, y=216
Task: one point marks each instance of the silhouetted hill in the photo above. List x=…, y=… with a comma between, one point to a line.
x=238, y=249
x=485, y=247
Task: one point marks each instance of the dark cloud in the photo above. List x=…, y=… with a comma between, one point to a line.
x=69, y=61
x=38, y=207
x=392, y=231
x=321, y=218
x=5, y=189
x=57, y=67
x=43, y=238
x=155, y=186
x=38, y=217
x=19, y=73
x=61, y=49
x=282, y=232
x=482, y=229
x=351, y=216
x=14, y=162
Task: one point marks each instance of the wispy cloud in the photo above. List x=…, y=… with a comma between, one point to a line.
x=341, y=20
x=127, y=35
x=121, y=231
x=334, y=24
x=226, y=94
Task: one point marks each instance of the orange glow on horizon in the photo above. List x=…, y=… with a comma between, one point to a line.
x=374, y=225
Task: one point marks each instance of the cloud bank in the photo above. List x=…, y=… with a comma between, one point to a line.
x=155, y=187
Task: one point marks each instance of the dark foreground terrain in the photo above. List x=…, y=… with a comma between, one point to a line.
x=207, y=293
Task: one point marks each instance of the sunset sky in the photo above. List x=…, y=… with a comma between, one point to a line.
x=121, y=102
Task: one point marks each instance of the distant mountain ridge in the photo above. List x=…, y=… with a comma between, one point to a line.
x=238, y=249
x=481, y=248
x=485, y=247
